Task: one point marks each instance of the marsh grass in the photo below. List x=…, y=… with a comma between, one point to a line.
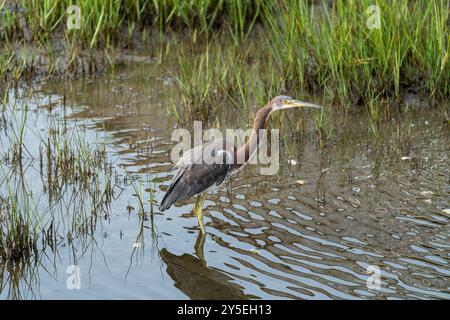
x=138, y=188
x=258, y=48
x=195, y=80
x=332, y=47
x=324, y=126
x=322, y=49
x=152, y=191
x=224, y=75
x=77, y=184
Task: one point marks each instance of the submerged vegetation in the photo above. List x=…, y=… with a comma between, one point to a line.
x=75, y=178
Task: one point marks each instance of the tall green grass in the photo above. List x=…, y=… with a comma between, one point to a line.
x=102, y=20
x=333, y=48
x=318, y=46
x=326, y=49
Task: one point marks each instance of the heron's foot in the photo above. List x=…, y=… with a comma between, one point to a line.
x=198, y=210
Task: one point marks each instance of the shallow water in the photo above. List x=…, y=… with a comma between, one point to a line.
x=361, y=202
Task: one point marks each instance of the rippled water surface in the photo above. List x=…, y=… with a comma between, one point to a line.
x=311, y=232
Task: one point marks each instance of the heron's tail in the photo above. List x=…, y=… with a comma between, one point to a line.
x=166, y=202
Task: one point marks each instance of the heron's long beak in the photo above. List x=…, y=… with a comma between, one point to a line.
x=301, y=104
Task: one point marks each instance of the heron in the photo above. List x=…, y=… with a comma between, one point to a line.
x=194, y=178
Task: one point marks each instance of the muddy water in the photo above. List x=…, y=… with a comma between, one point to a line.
x=316, y=230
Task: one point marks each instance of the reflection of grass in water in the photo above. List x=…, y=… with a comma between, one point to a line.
x=139, y=193
x=374, y=115
x=77, y=184
x=152, y=191
x=138, y=249
x=138, y=184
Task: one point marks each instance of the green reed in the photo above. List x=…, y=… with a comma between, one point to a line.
x=68, y=165
x=304, y=46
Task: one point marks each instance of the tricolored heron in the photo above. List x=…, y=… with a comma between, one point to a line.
x=196, y=178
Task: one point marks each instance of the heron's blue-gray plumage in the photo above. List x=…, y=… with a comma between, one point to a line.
x=194, y=176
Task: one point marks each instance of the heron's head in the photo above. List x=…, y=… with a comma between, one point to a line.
x=286, y=102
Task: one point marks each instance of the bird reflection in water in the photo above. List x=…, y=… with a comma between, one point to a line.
x=198, y=281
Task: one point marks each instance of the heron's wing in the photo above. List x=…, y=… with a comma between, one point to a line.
x=194, y=176
x=190, y=157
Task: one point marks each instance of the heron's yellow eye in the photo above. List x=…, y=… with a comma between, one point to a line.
x=284, y=101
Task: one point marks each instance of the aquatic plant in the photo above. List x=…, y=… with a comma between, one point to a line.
x=335, y=48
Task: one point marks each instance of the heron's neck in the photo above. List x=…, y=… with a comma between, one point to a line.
x=252, y=144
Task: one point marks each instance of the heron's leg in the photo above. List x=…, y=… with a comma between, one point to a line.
x=198, y=210
x=199, y=245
